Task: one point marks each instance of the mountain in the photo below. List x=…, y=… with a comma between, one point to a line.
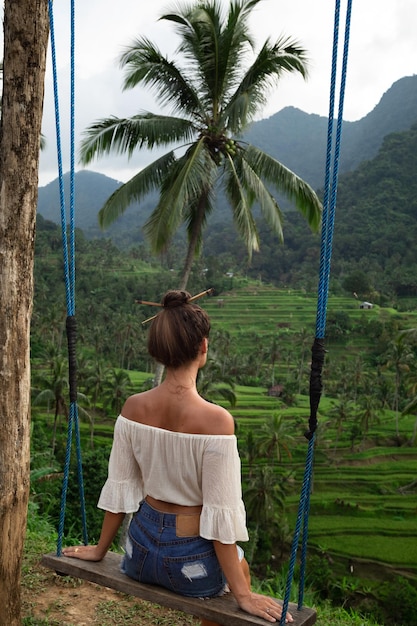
x=375, y=231
x=91, y=191
x=296, y=138
x=373, y=252
x=299, y=139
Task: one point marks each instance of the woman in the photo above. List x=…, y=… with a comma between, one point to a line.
x=176, y=454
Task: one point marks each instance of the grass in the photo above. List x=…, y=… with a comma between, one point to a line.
x=330, y=616
x=124, y=611
x=253, y=311
x=52, y=600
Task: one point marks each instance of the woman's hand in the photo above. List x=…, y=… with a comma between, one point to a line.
x=111, y=524
x=238, y=578
x=264, y=607
x=85, y=553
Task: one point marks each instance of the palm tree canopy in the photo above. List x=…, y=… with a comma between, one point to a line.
x=214, y=88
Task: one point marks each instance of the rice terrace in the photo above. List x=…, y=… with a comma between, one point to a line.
x=361, y=513
x=362, y=529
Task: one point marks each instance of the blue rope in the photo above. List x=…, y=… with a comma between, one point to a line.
x=69, y=272
x=303, y=563
x=304, y=497
x=72, y=274
x=329, y=208
x=72, y=157
x=322, y=293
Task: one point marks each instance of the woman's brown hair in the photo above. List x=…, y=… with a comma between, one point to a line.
x=176, y=333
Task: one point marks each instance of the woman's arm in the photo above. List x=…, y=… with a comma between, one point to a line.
x=109, y=529
x=238, y=579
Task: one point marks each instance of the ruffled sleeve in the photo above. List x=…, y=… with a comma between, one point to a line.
x=123, y=489
x=223, y=517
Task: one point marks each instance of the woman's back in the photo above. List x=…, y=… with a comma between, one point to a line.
x=171, y=406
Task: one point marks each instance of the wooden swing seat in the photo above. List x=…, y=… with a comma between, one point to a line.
x=223, y=610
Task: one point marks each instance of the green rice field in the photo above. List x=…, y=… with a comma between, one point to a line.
x=358, y=516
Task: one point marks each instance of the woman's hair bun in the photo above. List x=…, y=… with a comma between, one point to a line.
x=175, y=298
x=177, y=331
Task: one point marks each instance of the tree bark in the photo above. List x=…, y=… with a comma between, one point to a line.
x=188, y=264
x=26, y=28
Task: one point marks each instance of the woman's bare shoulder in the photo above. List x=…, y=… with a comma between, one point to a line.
x=134, y=405
x=219, y=420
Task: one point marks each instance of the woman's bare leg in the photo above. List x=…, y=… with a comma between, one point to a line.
x=245, y=567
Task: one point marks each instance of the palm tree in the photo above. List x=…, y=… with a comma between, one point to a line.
x=26, y=28
x=116, y=389
x=368, y=413
x=211, y=383
x=94, y=381
x=223, y=343
x=399, y=356
x=249, y=450
x=264, y=497
x=273, y=354
x=275, y=437
x=213, y=98
x=340, y=413
x=51, y=389
x=303, y=339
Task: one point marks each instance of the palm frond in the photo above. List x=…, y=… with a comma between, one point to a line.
x=122, y=135
x=241, y=201
x=196, y=217
x=43, y=397
x=199, y=27
x=268, y=204
x=270, y=64
x=410, y=407
x=144, y=63
x=180, y=188
x=285, y=181
x=213, y=46
x=235, y=41
x=135, y=189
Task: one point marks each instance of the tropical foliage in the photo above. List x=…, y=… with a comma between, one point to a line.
x=213, y=93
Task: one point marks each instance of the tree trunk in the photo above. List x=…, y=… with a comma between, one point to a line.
x=26, y=27
x=192, y=244
x=188, y=264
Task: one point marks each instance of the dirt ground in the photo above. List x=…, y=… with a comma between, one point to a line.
x=65, y=601
x=71, y=603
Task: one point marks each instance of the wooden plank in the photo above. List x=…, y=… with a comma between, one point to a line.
x=223, y=610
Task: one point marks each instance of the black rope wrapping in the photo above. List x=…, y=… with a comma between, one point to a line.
x=317, y=360
x=71, y=326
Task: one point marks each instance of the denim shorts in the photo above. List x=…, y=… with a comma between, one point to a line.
x=155, y=555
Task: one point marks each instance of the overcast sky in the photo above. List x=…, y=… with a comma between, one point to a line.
x=383, y=48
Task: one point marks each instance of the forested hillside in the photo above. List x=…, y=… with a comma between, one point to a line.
x=296, y=138
x=299, y=139
x=374, y=248
x=374, y=252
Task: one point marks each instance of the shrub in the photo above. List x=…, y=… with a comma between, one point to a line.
x=398, y=601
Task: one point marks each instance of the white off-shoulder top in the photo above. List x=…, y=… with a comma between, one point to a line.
x=183, y=468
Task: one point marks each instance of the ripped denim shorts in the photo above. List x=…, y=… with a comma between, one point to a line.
x=156, y=555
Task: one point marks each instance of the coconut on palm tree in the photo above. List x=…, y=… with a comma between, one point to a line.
x=214, y=88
